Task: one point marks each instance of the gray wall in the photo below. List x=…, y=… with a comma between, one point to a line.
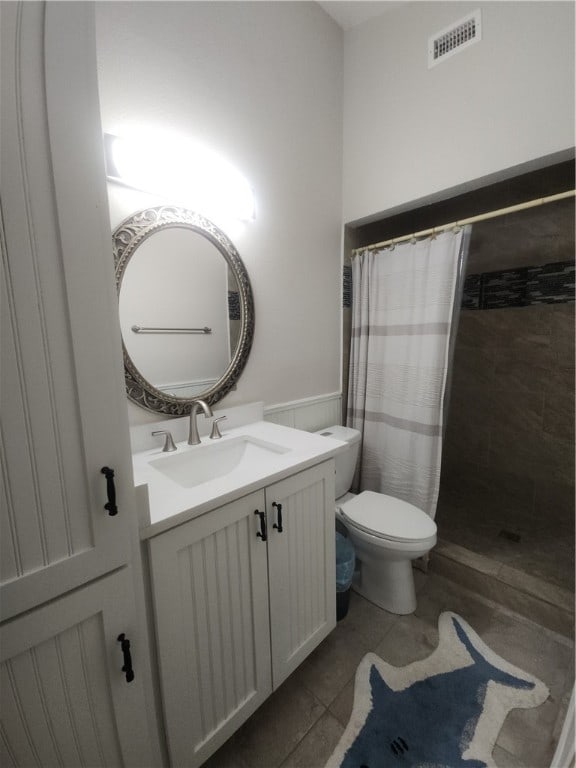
x=411, y=132
x=261, y=84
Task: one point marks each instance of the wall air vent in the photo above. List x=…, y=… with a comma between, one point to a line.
x=454, y=39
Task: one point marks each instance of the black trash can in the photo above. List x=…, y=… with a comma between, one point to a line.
x=345, y=562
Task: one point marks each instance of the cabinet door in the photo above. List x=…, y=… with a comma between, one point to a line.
x=62, y=386
x=65, y=699
x=210, y=587
x=302, y=566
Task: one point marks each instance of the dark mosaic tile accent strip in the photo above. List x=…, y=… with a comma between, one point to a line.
x=547, y=284
x=347, y=286
x=233, y=305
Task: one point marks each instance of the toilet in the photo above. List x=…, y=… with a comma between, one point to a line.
x=387, y=533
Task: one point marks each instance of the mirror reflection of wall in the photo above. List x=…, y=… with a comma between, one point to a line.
x=177, y=279
x=185, y=307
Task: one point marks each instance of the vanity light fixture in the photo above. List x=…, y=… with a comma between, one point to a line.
x=182, y=172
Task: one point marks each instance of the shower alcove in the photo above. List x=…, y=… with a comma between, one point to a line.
x=505, y=512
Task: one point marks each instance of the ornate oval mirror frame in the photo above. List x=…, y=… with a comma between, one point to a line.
x=126, y=239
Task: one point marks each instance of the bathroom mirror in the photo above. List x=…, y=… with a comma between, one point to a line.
x=186, y=309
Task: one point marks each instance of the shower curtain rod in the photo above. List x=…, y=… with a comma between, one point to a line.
x=471, y=220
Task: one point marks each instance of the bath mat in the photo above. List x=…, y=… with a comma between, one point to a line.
x=446, y=710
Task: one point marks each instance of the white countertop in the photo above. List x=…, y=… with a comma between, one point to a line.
x=164, y=503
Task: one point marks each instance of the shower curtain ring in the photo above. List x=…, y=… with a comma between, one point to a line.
x=434, y=234
x=392, y=245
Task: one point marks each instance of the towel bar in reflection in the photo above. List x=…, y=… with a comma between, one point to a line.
x=143, y=329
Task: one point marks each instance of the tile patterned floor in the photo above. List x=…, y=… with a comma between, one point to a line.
x=301, y=723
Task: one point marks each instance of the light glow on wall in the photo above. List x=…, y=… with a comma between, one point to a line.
x=182, y=172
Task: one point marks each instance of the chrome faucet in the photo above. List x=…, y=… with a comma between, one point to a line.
x=193, y=436
x=168, y=440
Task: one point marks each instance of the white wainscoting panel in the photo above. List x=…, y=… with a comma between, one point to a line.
x=310, y=414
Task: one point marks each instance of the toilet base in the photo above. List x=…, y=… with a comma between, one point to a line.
x=389, y=584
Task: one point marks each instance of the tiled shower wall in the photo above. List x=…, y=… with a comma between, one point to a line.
x=511, y=418
x=507, y=486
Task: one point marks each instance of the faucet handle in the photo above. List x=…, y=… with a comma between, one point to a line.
x=168, y=443
x=215, y=434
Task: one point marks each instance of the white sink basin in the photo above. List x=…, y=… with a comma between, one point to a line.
x=176, y=487
x=202, y=463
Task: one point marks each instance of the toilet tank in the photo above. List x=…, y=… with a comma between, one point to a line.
x=345, y=462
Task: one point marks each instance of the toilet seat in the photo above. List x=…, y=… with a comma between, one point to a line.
x=388, y=518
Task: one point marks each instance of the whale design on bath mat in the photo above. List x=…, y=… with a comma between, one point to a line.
x=446, y=710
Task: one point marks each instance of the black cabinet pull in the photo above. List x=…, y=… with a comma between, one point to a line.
x=110, y=506
x=279, y=508
x=262, y=533
x=127, y=668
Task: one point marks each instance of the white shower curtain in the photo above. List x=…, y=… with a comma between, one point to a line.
x=402, y=308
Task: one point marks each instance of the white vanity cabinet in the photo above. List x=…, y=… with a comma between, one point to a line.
x=301, y=566
x=236, y=612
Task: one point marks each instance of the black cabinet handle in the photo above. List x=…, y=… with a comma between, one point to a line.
x=110, y=506
x=279, y=508
x=262, y=533
x=127, y=668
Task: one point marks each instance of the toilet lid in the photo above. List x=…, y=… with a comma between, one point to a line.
x=388, y=517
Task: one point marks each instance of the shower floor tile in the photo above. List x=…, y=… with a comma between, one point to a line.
x=545, y=548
